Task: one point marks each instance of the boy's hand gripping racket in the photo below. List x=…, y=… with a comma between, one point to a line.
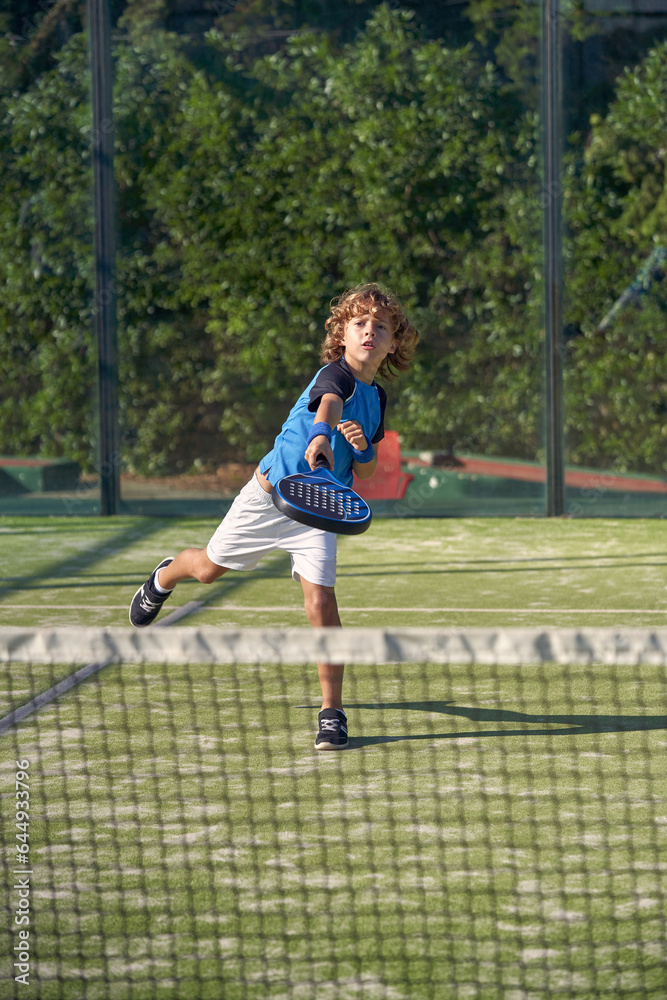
x=319, y=500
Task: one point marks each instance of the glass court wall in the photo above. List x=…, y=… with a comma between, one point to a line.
x=49, y=454
x=266, y=158
x=615, y=258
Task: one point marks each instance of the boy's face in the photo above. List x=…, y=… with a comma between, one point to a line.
x=368, y=339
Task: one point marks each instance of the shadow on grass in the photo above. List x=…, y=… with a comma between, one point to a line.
x=458, y=568
x=104, y=544
x=531, y=725
x=70, y=571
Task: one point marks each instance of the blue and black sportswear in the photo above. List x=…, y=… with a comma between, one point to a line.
x=361, y=402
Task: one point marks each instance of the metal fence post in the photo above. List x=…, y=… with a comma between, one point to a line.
x=551, y=117
x=99, y=28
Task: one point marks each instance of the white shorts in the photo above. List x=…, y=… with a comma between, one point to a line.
x=254, y=527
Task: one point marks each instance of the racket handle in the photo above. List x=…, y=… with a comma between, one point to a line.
x=321, y=463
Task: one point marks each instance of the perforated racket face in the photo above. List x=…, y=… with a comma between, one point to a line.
x=319, y=500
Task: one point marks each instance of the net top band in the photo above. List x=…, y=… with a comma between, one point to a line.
x=190, y=645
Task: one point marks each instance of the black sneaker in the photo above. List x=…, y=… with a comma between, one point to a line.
x=333, y=730
x=146, y=603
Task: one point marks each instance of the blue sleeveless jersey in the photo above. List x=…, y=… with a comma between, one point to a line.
x=361, y=402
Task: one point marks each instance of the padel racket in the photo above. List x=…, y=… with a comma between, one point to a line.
x=319, y=500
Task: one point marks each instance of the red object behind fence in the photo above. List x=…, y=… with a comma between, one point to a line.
x=389, y=481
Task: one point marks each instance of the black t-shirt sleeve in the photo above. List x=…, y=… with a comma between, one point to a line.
x=333, y=378
x=379, y=434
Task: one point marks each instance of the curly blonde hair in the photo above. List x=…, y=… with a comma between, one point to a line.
x=370, y=298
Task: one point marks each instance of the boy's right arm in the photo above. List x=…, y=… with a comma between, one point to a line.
x=329, y=411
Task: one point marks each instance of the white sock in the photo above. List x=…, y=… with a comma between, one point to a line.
x=156, y=585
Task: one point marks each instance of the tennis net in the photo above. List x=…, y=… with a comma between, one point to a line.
x=495, y=830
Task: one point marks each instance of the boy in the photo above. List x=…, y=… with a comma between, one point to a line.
x=339, y=415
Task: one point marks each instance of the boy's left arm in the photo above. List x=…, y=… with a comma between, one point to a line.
x=354, y=435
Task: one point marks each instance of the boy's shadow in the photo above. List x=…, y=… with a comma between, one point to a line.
x=545, y=724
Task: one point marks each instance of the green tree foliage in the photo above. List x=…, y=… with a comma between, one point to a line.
x=617, y=211
x=46, y=263
x=330, y=167
x=256, y=183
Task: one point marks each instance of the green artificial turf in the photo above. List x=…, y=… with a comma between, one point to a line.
x=493, y=832
x=459, y=572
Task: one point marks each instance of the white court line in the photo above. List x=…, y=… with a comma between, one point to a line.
x=177, y=613
x=192, y=606
x=67, y=683
x=435, y=611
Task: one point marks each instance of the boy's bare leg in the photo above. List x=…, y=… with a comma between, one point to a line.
x=322, y=611
x=190, y=564
x=331, y=683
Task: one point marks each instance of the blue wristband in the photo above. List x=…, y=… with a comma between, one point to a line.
x=320, y=428
x=364, y=456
